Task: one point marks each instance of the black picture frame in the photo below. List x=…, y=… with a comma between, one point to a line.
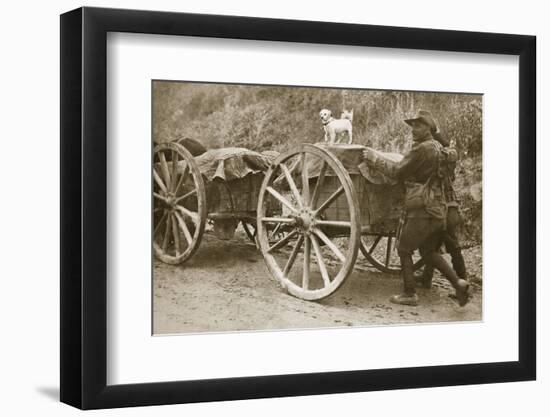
x=84, y=207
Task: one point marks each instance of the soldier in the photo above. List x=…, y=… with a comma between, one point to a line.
x=450, y=237
x=425, y=208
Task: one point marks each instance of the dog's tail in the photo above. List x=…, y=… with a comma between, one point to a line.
x=347, y=115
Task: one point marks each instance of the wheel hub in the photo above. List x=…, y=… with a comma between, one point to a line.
x=170, y=199
x=305, y=220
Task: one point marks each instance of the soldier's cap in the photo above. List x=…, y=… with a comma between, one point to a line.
x=425, y=117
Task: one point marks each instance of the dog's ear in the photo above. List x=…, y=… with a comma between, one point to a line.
x=329, y=113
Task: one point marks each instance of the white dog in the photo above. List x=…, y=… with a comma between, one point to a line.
x=334, y=126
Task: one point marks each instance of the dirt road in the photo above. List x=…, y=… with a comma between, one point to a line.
x=226, y=287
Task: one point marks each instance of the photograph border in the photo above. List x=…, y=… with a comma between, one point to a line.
x=83, y=263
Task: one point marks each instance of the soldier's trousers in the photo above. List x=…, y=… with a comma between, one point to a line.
x=424, y=234
x=450, y=239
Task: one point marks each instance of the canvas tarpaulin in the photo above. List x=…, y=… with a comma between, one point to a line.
x=351, y=157
x=233, y=178
x=228, y=164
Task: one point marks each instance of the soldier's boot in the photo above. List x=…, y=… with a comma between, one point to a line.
x=408, y=297
x=460, y=285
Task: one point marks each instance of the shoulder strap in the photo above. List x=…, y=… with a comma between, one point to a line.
x=437, y=172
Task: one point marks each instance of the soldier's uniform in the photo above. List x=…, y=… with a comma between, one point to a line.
x=424, y=226
x=453, y=221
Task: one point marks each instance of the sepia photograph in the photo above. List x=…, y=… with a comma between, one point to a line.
x=292, y=207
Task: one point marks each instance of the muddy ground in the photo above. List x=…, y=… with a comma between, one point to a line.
x=226, y=286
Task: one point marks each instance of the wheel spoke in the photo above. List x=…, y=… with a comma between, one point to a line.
x=334, y=223
x=182, y=178
x=183, y=197
x=274, y=231
x=292, y=185
x=167, y=233
x=320, y=260
x=278, y=180
x=318, y=185
x=305, y=274
x=286, y=220
x=184, y=229
x=330, y=200
x=388, y=251
x=174, y=170
x=194, y=216
x=371, y=250
x=305, y=181
x=282, y=199
x=162, y=219
x=293, y=255
x=158, y=180
x=160, y=197
x=283, y=241
x=330, y=244
x=176, y=237
x=164, y=168
x=282, y=175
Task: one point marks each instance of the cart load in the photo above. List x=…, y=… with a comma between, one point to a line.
x=228, y=164
x=233, y=177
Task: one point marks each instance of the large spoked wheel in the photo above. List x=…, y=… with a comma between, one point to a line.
x=319, y=249
x=179, y=204
x=381, y=253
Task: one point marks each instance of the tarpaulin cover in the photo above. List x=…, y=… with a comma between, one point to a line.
x=228, y=164
x=271, y=154
x=351, y=157
x=377, y=177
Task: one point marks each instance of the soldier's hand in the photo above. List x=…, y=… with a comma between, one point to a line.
x=369, y=156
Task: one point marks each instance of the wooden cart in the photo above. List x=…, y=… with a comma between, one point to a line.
x=310, y=211
x=332, y=211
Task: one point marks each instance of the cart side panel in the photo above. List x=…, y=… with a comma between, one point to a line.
x=236, y=196
x=384, y=203
x=339, y=209
x=380, y=204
